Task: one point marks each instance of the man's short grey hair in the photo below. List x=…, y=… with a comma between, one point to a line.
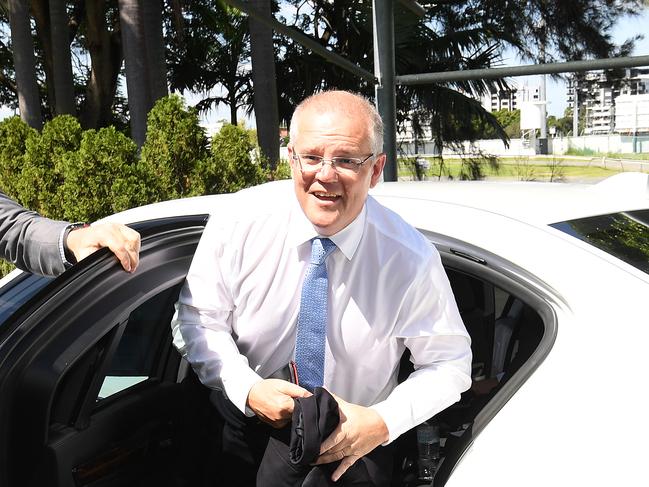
x=346, y=103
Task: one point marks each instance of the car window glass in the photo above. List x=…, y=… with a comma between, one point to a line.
x=136, y=357
x=18, y=291
x=624, y=235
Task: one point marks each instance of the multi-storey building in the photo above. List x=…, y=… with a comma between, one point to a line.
x=510, y=99
x=632, y=114
x=636, y=82
x=600, y=97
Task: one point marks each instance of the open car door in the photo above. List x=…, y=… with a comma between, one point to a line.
x=89, y=394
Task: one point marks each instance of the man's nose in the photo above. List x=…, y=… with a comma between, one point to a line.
x=327, y=172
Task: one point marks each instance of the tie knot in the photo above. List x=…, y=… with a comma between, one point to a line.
x=320, y=249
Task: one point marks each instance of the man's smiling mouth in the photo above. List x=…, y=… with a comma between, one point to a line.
x=322, y=195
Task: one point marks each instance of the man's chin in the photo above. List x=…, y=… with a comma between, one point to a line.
x=325, y=224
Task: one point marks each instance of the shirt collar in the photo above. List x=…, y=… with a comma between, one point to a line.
x=347, y=240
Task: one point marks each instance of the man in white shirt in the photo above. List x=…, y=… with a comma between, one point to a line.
x=387, y=291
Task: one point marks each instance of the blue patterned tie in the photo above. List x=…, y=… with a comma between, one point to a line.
x=312, y=320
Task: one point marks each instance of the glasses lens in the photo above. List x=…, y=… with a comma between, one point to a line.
x=347, y=163
x=310, y=163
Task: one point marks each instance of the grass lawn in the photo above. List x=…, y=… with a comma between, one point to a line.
x=518, y=170
x=636, y=157
x=610, y=155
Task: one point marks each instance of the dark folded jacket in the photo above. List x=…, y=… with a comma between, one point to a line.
x=290, y=453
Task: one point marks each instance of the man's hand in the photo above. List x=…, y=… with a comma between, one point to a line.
x=360, y=430
x=121, y=240
x=272, y=400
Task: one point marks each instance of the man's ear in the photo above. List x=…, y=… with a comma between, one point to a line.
x=290, y=155
x=377, y=169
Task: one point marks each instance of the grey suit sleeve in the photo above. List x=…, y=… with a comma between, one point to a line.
x=28, y=240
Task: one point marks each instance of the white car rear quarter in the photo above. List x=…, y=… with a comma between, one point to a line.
x=579, y=419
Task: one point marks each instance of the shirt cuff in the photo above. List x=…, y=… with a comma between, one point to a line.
x=237, y=390
x=62, y=246
x=393, y=420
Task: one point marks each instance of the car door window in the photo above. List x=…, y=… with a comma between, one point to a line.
x=145, y=335
x=18, y=291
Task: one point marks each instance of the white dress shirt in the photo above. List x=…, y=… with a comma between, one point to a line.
x=237, y=312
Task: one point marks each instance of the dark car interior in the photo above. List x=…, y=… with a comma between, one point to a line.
x=504, y=333
x=100, y=397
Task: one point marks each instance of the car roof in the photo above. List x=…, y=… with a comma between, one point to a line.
x=532, y=202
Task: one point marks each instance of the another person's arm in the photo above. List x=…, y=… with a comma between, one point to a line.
x=122, y=241
x=37, y=244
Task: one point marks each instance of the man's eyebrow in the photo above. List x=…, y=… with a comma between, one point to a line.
x=335, y=152
x=308, y=149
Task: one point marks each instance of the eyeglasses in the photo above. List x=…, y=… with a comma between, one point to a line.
x=310, y=164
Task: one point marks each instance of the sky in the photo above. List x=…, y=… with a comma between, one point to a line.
x=555, y=89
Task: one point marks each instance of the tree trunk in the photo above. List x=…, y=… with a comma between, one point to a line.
x=137, y=80
x=178, y=21
x=155, y=48
x=106, y=60
x=41, y=14
x=264, y=84
x=61, y=61
x=233, y=110
x=24, y=63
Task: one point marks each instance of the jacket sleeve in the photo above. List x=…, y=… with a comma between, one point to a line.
x=28, y=240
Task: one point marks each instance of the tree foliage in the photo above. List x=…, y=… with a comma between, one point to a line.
x=67, y=173
x=174, y=150
x=563, y=125
x=509, y=120
x=207, y=52
x=231, y=166
x=217, y=34
x=101, y=177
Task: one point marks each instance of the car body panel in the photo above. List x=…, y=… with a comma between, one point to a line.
x=562, y=418
x=562, y=422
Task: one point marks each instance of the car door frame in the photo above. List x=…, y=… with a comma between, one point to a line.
x=543, y=298
x=43, y=340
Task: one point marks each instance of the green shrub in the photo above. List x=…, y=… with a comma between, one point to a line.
x=231, y=166
x=102, y=177
x=13, y=137
x=573, y=151
x=66, y=173
x=41, y=173
x=282, y=171
x=6, y=267
x=174, y=149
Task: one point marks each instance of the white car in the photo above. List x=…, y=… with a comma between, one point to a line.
x=552, y=281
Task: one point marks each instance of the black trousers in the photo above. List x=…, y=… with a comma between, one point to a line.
x=373, y=470
x=243, y=443
x=225, y=448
